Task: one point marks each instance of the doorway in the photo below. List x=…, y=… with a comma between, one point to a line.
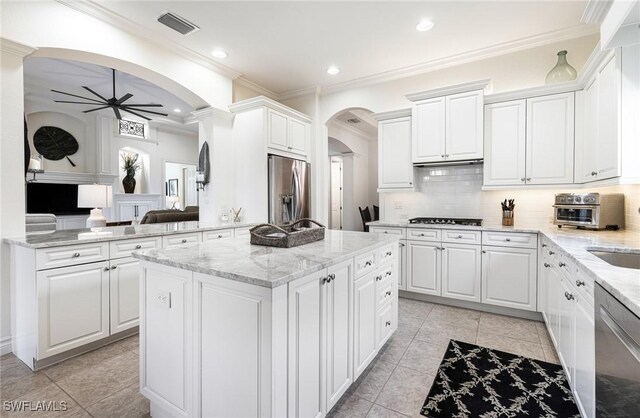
x=335, y=195
x=180, y=185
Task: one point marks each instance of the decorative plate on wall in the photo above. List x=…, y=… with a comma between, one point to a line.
x=55, y=143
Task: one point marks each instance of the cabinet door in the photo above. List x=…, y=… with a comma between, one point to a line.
x=298, y=135
x=550, y=139
x=423, y=267
x=461, y=271
x=338, y=299
x=428, y=130
x=504, y=143
x=608, y=113
x=585, y=373
x=123, y=285
x=73, y=307
x=586, y=158
x=364, y=323
x=402, y=267
x=277, y=130
x=509, y=277
x=305, y=324
x=126, y=211
x=543, y=284
x=554, y=293
x=464, y=126
x=395, y=170
x=566, y=349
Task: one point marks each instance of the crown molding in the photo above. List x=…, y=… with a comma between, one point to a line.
x=262, y=101
x=15, y=48
x=595, y=11
x=566, y=87
x=93, y=9
x=483, y=84
x=257, y=88
x=208, y=112
x=393, y=114
x=292, y=94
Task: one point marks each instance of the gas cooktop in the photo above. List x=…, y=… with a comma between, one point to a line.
x=447, y=221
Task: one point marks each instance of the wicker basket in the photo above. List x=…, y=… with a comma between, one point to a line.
x=286, y=236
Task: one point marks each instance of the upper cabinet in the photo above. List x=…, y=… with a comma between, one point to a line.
x=504, y=145
x=447, y=123
x=395, y=170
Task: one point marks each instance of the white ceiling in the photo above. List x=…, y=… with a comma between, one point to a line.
x=41, y=75
x=287, y=46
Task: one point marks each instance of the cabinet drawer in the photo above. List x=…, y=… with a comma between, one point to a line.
x=388, y=271
x=242, y=232
x=510, y=239
x=386, y=291
x=584, y=284
x=215, y=235
x=181, y=239
x=424, y=234
x=386, y=322
x=365, y=263
x=462, y=237
x=124, y=248
x=388, y=254
x=401, y=232
x=71, y=255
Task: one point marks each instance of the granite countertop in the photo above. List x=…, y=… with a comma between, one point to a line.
x=112, y=233
x=237, y=259
x=622, y=283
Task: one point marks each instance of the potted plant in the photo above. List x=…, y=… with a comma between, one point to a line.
x=130, y=165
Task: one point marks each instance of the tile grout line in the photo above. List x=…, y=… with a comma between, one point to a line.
x=67, y=393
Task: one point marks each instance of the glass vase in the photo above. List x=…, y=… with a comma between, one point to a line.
x=562, y=71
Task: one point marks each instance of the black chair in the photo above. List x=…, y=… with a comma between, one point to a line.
x=376, y=213
x=366, y=217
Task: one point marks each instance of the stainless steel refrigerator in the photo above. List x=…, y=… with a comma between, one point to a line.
x=289, y=195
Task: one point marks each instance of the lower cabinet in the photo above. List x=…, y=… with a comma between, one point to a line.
x=402, y=274
x=509, y=277
x=123, y=284
x=566, y=339
x=364, y=333
x=585, y=362
x=424, y=267
x=73, y=307
x=461, y=271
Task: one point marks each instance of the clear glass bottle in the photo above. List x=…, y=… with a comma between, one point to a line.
x=562, y=71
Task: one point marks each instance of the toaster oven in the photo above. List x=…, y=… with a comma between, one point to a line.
x=589, y=210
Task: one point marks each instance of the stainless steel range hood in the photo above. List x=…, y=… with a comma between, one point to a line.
x=449, y=163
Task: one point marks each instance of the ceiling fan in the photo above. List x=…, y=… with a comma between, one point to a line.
x=116, y=104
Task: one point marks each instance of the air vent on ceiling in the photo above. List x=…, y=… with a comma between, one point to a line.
x=177, y=23
x=353, y=121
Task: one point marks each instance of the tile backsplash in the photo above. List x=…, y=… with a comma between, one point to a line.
x=457, y=192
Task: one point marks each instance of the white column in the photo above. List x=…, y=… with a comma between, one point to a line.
x=12, y=183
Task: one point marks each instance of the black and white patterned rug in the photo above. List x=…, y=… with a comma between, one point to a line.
x=474, y=381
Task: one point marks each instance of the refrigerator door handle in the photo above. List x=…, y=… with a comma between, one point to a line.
x=297, y=192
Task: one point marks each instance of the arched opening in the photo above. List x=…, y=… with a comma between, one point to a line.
x=352, y=164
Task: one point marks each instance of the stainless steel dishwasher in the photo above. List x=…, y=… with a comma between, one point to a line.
x=617, y=357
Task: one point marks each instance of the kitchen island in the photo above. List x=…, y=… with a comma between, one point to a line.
x=231, y=329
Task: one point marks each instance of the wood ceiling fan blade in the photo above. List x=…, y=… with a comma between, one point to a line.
x=124, y=98
x=88, y=89
x=137, y=114
x=75, y=95
x=143, y=105
x=117, y=112
x=97, y=108
x=84, y=103
x=142, y=110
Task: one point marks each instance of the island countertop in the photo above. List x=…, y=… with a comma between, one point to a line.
x=63, y=237
x=236, y=259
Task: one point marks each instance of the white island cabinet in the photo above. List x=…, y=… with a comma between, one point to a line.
x=279, y=332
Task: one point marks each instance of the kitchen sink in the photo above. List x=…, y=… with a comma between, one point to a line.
x=626, y=260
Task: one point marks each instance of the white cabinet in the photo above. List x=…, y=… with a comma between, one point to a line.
x=73, y=307
x=424, y=265
x=509, y=277
x=461, y=271
x=504, y=143
x=550, y=139
x=585, y=373
x=364, y=320
x=566, y=341
x=179, y=240
x=286, y=133
x=129, y=207
x=448, y=128
x=298, y=136
x=123, y=293
x=402, y=266
x=395, y=170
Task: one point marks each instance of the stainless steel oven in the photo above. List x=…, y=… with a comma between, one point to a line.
x=589, y=210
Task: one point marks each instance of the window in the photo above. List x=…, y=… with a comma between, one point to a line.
x=131, y=128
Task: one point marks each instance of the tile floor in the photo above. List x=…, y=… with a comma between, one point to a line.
x=104, y=382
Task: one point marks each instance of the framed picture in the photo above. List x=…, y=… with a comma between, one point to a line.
x=173, y=187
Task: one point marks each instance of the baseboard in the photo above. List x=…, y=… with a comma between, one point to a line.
x=5, y=346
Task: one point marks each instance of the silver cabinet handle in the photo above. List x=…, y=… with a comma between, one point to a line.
x=528, y=178
x=368, y=263
x=580, y=283
x=220, y=236
x=76, y=255
x=324, y=280
x=138, y=246
x=106, y=269
x=378, y=278
x=289, y=147
x=446, y=155
x=422, y=235
x=410, y=183
x=547, y=265
x=184, y=241
x=386, y=232
x=388, y=323
x=568, y=295
x=594, y=173
x=484, y=251
x=401, y=244
x=551, y=253
x=508, y=239
x=561, y=264
x=522, y=179
x=389, y=253
x=388, y=293
x=332, y=276
x=114, y=267
x=544, y=245
x=388, y=273
x=442, y=156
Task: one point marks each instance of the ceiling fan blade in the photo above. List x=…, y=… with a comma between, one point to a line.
x=142, y=110
x=117, y=112
x=137, y=114
x=97, y=108
x=75, y=95
x=143, y=105
x=124, y=98
x=84, y=103
x=87, y=88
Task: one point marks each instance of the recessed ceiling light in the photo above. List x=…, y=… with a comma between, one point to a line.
x=218, y=53
x=177, y=110
x=333, y=70
x=424, y=25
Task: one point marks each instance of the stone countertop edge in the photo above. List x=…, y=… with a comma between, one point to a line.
x=23, y=241
x=254, y=279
